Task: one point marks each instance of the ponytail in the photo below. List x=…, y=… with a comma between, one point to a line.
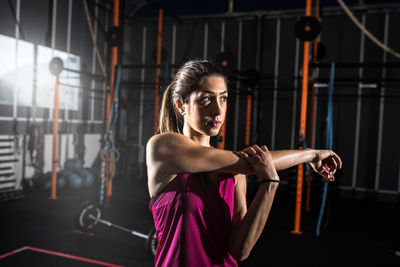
x=170, y=119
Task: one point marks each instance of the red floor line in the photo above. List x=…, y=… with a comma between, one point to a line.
x=69, y=256
x=73, y=257
x=13, y=252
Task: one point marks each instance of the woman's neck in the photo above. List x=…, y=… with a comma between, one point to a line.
x=197, y=137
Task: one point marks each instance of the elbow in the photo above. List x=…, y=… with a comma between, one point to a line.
x=239, y=254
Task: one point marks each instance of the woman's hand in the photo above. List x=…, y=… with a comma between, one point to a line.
x=261, y=161
x=325, y=163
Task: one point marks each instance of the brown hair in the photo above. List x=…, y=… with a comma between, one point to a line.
x=187, y=80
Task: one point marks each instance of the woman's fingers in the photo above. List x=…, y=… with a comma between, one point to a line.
x=250, y=151
x=259, y=151
x=337, y=159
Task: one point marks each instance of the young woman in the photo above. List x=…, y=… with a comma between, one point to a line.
x=198, y=193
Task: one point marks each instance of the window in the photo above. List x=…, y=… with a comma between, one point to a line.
x=17, y=75
x=7, y=69
x=69, y=91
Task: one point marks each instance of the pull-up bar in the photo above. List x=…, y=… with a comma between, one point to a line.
x=372, y=65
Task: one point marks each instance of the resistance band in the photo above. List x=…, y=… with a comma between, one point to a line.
x=112, y=120
x=329, y=137
x=111, y=93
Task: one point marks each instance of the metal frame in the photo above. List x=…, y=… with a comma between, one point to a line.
x=359, y=105
x=276, y=74
x=381, y=108
x=237, y=96
x=292, y=13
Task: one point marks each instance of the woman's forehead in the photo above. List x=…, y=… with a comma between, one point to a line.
x=213, y=85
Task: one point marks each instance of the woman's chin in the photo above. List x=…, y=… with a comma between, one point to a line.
x=213, y=132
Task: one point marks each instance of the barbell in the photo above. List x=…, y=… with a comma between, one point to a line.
x=90, y=216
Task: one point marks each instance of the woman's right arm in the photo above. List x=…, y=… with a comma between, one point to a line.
x=173, y=153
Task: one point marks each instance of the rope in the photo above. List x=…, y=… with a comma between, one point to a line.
x=111, y=156
x=103, y=70
x=329, y=138
x=105, y=154
x=366, y=32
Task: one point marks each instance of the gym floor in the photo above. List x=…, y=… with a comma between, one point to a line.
x=358, y=232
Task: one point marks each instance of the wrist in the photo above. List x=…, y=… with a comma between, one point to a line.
x=311, y=154
x=268, y=186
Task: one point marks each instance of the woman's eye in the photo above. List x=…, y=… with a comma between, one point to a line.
x=205, y=99
x=224, y=98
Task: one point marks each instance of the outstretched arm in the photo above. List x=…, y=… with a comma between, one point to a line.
x=284, y=159
x=324, y=162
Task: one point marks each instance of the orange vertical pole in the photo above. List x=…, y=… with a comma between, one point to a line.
x=158, y=71
x=248, y=120
x=312, y=111
x=303, y=118
x=221, y=144
x=111, y=94
x=53, y=194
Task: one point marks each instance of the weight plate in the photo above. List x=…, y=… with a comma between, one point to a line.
x=85, y=220
x=114, y=36
x=151, y=242
x=307, y=28
x=56, y=66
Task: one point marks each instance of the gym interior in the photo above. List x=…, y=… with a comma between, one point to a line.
x=81, y=83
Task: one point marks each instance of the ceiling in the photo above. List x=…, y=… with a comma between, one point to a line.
x=148, y=8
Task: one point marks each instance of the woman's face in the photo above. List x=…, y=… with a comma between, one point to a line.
x=205, y=112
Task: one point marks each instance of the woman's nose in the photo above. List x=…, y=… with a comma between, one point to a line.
x=217, y=108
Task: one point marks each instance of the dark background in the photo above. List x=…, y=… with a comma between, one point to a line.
x=361, y=222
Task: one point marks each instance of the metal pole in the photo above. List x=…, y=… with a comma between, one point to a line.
x=381, y=107
x=359, y=106
x=303, y=118
x=221, y=144
x=276, y=74
x=295, y=84
x=142, y=77
x=111, y=94
x=158, y=70
x=53, y=195
x=313, y=111
x=237, y=96
x=205, y=41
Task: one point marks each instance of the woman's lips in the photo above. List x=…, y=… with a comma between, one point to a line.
x=216, y=123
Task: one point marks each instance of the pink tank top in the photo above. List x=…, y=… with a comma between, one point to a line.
x=193, y=221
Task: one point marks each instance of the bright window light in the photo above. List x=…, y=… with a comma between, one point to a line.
x=17, y=73
x=7, y=69
x=69, y=95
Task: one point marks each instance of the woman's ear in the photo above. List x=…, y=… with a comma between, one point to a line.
x=180, y=106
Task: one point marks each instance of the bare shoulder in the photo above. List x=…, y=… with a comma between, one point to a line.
x=162, y=159
x=165, y=143
x=165, y=138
